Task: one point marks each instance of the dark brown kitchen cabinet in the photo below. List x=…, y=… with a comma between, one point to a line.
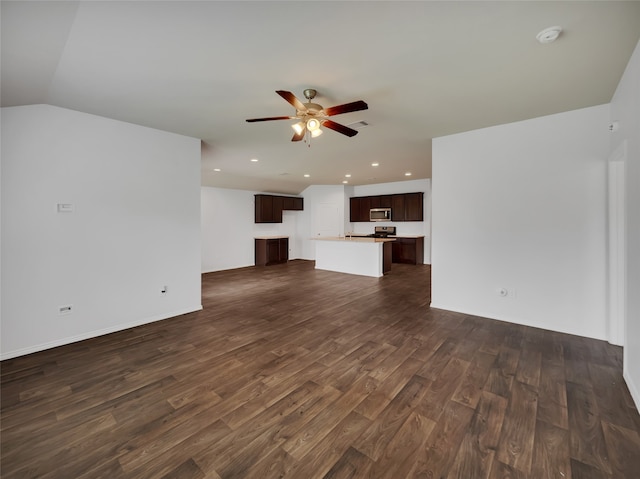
x=270, y=251
x=278, y=206
x=359, y=207
x=292, y=203
x=365, y=206
x=268, y=208
x=264, y=209
x=384, y=201
x=413, y=207
x=354, y=209
x=397, y=208
x=404, y=206
x=408, y=250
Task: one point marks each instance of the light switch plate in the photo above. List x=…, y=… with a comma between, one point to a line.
x=65, y=207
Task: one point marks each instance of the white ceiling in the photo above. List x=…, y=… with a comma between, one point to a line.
x=426, y=69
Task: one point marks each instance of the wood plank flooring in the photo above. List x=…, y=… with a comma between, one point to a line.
x=290, y=372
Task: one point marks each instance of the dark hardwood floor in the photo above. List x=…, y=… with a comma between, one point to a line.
x=289, y=372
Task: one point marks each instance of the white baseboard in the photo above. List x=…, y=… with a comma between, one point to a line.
x=531, y=324
x=633, y=388
x=92, y=334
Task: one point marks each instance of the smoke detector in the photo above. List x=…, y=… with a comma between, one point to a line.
x=549, y=35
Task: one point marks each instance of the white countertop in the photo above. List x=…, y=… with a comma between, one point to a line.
x=353, y=239
x=269, y=237
x=365, y=235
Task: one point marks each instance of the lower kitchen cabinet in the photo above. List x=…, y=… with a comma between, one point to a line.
x=408, y=250
x=270, y=251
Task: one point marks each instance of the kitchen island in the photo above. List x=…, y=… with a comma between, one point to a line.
x=354, y=255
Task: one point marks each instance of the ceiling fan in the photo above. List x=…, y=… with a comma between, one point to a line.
x=312, y=116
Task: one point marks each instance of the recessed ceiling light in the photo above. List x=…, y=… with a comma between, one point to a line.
x=254, y=160
x=549, y=35
x=216, y=169
x=348, y=175
x=307, y=175
x=375, y=164
x=345, y=182
x=408, y=173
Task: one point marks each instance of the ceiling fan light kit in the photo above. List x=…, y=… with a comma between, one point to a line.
x=298, y=127
x=313, y=124
x=312, y=116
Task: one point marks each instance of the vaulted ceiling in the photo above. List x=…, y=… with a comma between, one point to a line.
x=425, y=69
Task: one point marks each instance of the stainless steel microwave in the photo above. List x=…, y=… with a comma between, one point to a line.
x=380, y=214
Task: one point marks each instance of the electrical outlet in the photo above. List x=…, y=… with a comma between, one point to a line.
x=66, y=309
x=506, y=293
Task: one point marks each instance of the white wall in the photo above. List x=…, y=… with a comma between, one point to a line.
x=625, y=108
x=228, y=229
x=523, y=206
x=402, y=227
x=135, y=226
x=324, y=210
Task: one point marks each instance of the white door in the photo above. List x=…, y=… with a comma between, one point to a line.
x=327, y=220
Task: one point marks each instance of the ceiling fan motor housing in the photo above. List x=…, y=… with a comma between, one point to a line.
x=312, y=109
x=309, y=93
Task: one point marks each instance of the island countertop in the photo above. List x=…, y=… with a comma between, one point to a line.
x=353, y=239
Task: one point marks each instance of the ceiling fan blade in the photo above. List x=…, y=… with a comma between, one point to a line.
x=251, y=120
x=345, y=130
x=346, y=108
x=299, y=136
x=291, y=98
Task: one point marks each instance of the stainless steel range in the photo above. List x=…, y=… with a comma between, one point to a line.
x=384, y=231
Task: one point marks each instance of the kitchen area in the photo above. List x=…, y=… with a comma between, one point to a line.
x=288, y=226
x=359, y=248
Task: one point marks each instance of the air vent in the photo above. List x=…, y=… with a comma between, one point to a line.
x=358, y=125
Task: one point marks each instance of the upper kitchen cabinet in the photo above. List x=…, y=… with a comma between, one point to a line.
x=292, y=203
x=354, y=209
x=383, y=201
x=264, y=210
x=268, y=208
x=397, y=208
x=404, y=207
x=359, y=207
x=413, y=207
